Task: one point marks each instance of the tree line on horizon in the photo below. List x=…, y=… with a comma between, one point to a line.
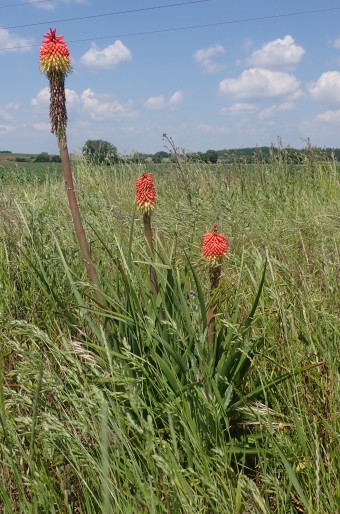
x=103, y=152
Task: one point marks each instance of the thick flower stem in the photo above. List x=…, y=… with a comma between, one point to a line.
x=55, y=63
x=215, y=274
x=76, y=217
x=149, y=246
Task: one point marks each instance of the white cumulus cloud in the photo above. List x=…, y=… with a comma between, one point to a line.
x=46, y=6
x=50, y=5
x=101, y=107
x=6, y=129
x=160, y=102
x=155, y=102
x=336, y=43
x=11, y=43
x=325, y=125
x=329, y=117
x=327, y=88
x=259, y=83
x=41, y=126
x=41, y=98
x=97, y=107
x=107, y=58
x=239, y=108
x=278, y=54
x=6, y=111
x=205, y=58
x=176, y=99
x=268, y=113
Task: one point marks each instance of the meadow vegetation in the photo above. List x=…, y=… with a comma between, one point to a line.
x=125, y=408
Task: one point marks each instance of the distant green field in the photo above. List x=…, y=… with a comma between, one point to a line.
x=32, y=172
x=22, y=168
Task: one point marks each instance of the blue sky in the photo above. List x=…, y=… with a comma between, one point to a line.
x=227, y=85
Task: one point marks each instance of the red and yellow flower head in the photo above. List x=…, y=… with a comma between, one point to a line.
x=145, y=193
x=215, y=246
x=54, y=55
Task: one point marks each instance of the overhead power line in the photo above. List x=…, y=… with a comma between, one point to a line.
x=188, y=27
x=24, y=3
x=102, y=15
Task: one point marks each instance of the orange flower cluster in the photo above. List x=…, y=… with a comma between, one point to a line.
x=54, y=55
x=215, y=246
x=145, y=193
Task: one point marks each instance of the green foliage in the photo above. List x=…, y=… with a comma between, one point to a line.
x=158, y=157
x=99, y=152
x=55, y=158
x=22, y=159
x=210, y=156
x=42, y=157
x=125, y=408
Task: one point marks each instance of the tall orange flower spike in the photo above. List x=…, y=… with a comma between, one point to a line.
x=54, y=55
x=215, y=246
x=145, y=193
x=55, y=63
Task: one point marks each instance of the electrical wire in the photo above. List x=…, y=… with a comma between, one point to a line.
x=78, y=18
x=24, y=3
x=188, y=27
x=205, y=25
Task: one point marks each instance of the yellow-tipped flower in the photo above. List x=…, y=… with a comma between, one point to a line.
x=54, y=55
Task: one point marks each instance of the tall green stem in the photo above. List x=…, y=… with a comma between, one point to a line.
x=149, y=246
x=215, y=274
x=76, y=218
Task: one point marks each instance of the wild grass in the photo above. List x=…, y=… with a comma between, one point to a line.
x=122, y=409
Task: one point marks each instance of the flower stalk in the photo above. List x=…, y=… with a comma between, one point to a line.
x=145, y=201
x=55, y=63
x=214, y=248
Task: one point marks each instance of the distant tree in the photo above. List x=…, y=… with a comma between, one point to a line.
x=22, y=159
x=138, y=157
x=159, y=156
x=99, y=151
x=42, y=157
x=55, y=158
x=294, y=156
x=210, y=156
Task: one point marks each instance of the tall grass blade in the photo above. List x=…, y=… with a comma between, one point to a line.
x=293, y=477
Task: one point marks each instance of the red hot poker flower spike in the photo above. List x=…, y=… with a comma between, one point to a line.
x=145, y=193
x=55, y=63
x=215, y=246
x=54, y=55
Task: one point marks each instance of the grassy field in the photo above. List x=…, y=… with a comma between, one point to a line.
x=26, y=170
x=125, y=409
